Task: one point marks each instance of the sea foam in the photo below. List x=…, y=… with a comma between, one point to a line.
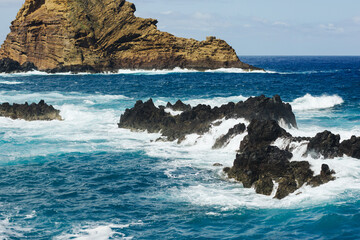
x=309, y=102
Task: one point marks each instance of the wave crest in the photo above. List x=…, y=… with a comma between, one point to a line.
x=309, y=102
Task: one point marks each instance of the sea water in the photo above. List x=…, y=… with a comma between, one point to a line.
x=84, y=178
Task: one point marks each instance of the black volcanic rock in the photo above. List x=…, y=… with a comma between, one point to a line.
x=259, y=164
x=325, y=144
x=225, y=139
x=32, y=112
x=326, y=175
x=263, y=108
x=8, y=65
x=351, y=147
x=146, y=116
x=261, y=133
x=179, y=106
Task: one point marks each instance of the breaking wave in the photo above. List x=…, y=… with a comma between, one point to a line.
x=309, y=102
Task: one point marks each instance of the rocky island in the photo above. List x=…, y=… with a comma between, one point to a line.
x=259, y=163
x=103, y=35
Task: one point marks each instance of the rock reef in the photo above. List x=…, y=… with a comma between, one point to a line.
x=104, y=35
x=32, y=112
x=199, y=119
x=259, y=163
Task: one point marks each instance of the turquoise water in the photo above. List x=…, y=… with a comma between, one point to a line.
x=83, y=178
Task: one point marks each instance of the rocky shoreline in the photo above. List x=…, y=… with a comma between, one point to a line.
x=33, y=112
x=259, y=163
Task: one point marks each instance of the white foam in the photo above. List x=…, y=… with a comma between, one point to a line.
x=235, y=70
x=8, y=230
x=98, y=232
x=309, y=102
x=172, y=112
x=22, y=97
x=216, y=101
x=10, y=82
x=31, y=215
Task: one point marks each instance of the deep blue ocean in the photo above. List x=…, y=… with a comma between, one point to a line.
x=84, y=178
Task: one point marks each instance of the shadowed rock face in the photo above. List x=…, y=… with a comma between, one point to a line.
x=105, y=35
x=351, y=147
x=325, y=144
x=259, y=164
x=199, y=119
x=8, y=65
x=32, y=112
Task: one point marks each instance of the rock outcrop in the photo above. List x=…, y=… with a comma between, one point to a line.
x=325, y=144
x=105, y=35
x=351, y=147
x=32, y=112
x=8, y=65
x=199, y=119
x=260, y=165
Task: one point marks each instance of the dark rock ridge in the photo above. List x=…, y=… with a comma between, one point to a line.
x=199, y=119
x=260, y=165
x=8, y=65
x=225, y=139
x=105, y=35
x=32, y=112
x=328, y=145
x=351, y=147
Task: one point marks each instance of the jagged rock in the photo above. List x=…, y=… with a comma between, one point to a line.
x=263, y=108
x=351, y=147
x=225, y=139
x=146, y=116
x=259, y=164
x=326, y=175
x=32, y=112
x=8, y=65
x=261, y=133
x=179, y=106
x=105, y=35
x=325, y=144
x=250, y=165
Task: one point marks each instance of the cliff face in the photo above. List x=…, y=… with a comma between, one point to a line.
x=105, y=35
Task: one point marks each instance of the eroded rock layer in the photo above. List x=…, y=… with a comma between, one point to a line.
x=100, y=35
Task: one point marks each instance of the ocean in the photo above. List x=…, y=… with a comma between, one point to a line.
x=84, y=178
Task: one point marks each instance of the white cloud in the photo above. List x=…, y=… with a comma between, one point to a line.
x=279, y=23
x=331, y=28
x=167, y=13
x=356, y=20
x=202, y=16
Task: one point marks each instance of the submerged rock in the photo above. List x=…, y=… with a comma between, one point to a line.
x=93, y=36
x=32, y=112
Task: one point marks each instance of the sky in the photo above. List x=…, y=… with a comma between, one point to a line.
x=252, y=27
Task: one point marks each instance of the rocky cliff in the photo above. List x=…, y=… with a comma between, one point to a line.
x=99, y=35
